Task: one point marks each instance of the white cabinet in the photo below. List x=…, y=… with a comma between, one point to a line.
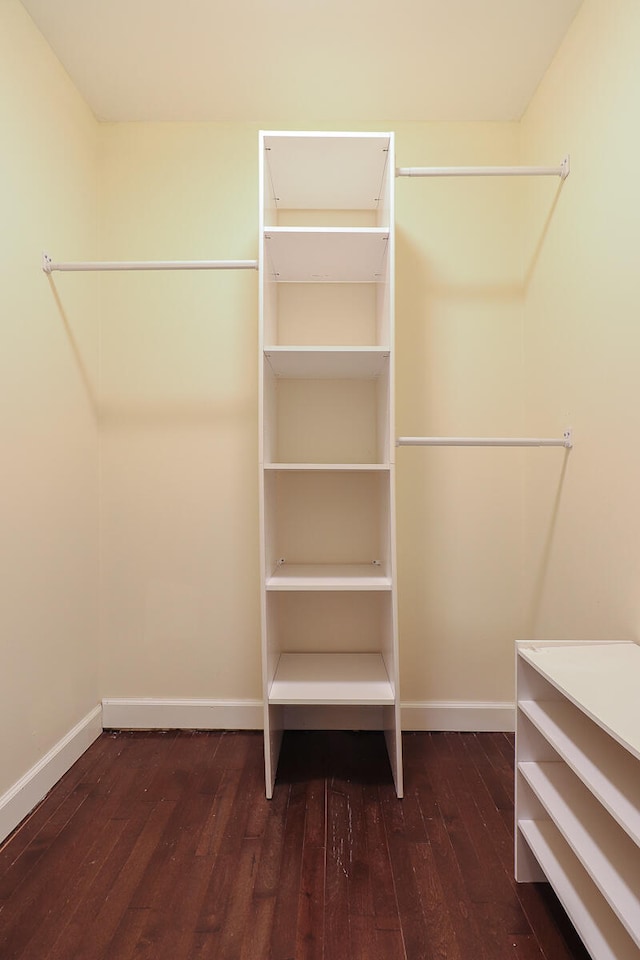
x=327, y=450
x=578, y=785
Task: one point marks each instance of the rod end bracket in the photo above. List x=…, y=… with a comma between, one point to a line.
x=46, y=262
x=565, y=167
x=568, y=438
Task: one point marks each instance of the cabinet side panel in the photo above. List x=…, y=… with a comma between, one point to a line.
x=383, y=416
x=273, y=730
x=270, y=429
x=393, y=739
x=530, y=745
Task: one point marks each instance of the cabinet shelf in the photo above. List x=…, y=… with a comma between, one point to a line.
x=602, y=935
x=329, y=467
x=604, y=849
x=577, y=796
x=331, y=678
x=600, y=678
x=329, y=576
x=338, y=363
x=330, y=171
x=606, y=769
x=329, y=620
x=327, y=254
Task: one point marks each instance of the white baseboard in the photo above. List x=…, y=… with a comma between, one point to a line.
x=461, y=716
x=20, y=799
x=155, y=714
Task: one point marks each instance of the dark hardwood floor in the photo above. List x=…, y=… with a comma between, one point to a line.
x=161, y=846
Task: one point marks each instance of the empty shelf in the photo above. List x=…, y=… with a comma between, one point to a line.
x=329, y=171
x=328, y=576
x=602, y=935
x=610, y=772
x=343, y=467
x=339, y=363
x=605, y=851
x=321, y=254
x=600, y=678
x=331, y=678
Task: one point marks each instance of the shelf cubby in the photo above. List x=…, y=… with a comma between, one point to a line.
x=326, y=254
x=578, y=785
x=327, y=455
x=327, y=407
x=354, y=679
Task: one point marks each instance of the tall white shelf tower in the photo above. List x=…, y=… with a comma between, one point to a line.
x=327, y=447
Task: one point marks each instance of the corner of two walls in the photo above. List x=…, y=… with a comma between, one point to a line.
x=179, y=608
x=176, y=405
x=582, y=336
x=459, y=308
x=48, y=414
x=178, y=415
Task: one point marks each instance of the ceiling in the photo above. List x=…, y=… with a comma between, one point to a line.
x=308, y=62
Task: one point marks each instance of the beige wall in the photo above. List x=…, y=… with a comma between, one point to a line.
x=582, y=333
x=492, y=544
x=459, y=369
x=179, y=521
x=179, y=516
x=48, y=427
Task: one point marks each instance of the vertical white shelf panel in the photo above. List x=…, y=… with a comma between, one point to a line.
x=578, y=785
x=327, y=457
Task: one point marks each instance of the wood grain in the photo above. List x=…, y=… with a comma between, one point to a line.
x=162, y=846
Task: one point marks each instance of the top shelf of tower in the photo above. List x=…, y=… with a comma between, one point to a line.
x=307, y=174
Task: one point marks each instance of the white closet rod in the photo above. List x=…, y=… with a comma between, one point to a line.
x=565, y=441
x=48, y=266
x=560, y=171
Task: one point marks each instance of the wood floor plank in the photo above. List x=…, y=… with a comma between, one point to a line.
x=70, y=939
x=284, y=933
x=99, y=934
x=383, y=893
x=432, y=788
x=23, y=837
x=72, y=906
x=168, y=848
x=311, y=904
x=414, y=928
x=40, y=898
x=338, y=865
x=491, y=895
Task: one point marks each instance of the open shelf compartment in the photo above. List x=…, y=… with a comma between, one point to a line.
x=327, y=447
x=331, y=678
x=577, y=806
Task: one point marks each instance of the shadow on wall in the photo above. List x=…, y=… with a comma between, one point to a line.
x=89, y=387
x=539, y=245
x=172, y=354
x=541, y=572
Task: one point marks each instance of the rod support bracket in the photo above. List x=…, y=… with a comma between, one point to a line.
x=568, y=438
x=565, y=167
x=46, y=262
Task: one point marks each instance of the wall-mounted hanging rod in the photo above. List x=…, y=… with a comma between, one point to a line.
x=561, y=171
x=565, y=441
x=49, y=266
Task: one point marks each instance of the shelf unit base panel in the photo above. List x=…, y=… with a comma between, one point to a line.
x=331, y=678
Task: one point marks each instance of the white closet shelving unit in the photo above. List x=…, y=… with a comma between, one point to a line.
x=578, y=785
x=327, y=446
